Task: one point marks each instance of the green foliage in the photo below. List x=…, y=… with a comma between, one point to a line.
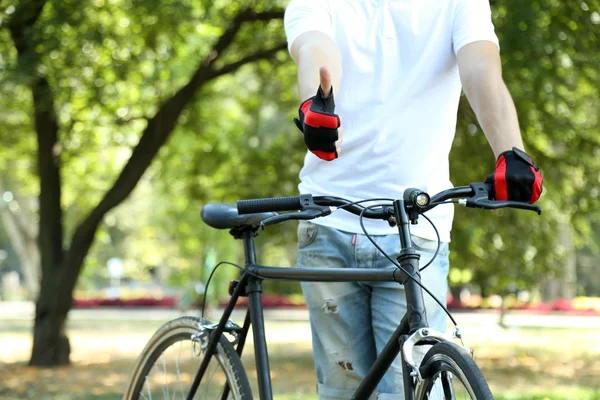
x=111, y=64
x=251, y=151
x=551, y=66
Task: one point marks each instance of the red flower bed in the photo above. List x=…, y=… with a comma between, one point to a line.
x=558, y=304
x=454, y=304
x=165, y=302
x=270, y=301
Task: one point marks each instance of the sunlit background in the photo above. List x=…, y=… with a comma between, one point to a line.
x=120, y=119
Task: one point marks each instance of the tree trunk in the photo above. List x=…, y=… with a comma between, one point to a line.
x=50, y=345
x=568, y=280
x=482, y=282
x=564, y=284
x=455, y=291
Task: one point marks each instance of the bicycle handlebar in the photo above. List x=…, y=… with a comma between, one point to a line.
x=302, y=202
x=350, y=207
x=476, y=195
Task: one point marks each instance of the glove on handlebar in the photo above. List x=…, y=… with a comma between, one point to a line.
x=516, y=177
x=319, y=124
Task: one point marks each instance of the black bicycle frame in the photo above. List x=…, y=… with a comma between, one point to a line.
x=250, y=285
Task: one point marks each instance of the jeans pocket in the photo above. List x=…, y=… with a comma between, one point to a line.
x=429, y=246
x=307, y=232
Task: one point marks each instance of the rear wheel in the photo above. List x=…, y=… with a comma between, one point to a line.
x=168, y=364
x=450, y=373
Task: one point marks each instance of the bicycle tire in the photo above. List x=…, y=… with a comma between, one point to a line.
x=448, y=358
x=179, y=330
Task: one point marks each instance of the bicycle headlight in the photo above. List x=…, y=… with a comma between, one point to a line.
x=422, y=199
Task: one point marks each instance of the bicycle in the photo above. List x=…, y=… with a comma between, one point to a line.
x=445, y=366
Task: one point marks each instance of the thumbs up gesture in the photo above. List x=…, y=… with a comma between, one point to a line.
x=318, y=121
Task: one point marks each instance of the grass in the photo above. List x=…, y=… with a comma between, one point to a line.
x=574, y=394
x=523, y=364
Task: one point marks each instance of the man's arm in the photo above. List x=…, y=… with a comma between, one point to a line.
x=319, y=62
x=516, y=177
x=481, y=75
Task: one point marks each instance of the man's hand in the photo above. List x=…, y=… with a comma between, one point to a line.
x=516, y=177
x=318, y=121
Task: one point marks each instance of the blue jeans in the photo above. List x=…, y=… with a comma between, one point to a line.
x=351, y=322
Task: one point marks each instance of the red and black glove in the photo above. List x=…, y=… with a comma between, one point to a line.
x=516, y=177
x=320, y=124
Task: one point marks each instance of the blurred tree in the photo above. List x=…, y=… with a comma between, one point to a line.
x=143, y=63
x=551, y=66
x=18, y=219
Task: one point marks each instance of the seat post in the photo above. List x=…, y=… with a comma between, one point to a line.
x=249, y=251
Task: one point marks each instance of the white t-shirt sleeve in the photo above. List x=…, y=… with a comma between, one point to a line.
x=302, y=16
x=472, y=23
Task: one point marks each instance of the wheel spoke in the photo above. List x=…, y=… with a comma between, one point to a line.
x=164, y=362
x=158, y=372
x=179, y=373
x=210, y=378
x=148, y=386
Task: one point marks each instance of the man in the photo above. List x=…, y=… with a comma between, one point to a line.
x=396, y=68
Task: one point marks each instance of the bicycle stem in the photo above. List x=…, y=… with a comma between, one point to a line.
x=402, y=221
x=409, y=261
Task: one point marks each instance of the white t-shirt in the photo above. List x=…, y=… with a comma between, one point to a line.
x=398, y=98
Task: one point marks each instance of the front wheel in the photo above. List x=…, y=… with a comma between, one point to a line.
x=450, y=373
x=168, y=365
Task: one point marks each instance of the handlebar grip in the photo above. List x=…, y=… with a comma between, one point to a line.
x=291, y=203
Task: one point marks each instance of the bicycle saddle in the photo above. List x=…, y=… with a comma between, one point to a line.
x=225, y=216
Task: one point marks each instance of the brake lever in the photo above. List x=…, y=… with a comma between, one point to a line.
x=517, y=204
x=481, y=199
x=301, y=215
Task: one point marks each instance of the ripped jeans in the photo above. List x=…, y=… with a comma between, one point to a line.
x=351, y=322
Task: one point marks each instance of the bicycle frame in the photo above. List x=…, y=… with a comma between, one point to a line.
x=250, y=285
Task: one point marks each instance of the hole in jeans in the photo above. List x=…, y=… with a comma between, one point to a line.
x=330, y=307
